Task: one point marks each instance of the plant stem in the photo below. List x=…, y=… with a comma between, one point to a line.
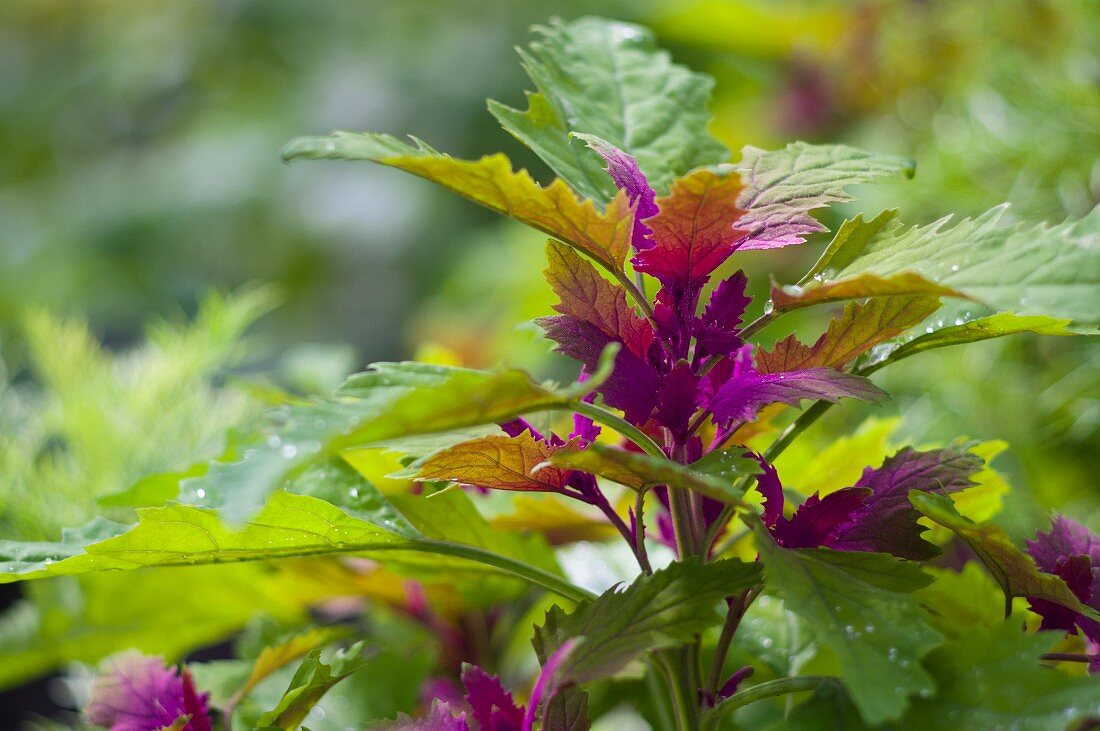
x=758, y=324
x=639, y=532
x=1067, y=657
x=736, y=611
x=601, y=415
x=640, y=554
x=636, y=294
x=780, y=686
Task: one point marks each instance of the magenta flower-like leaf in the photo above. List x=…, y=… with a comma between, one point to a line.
x=136, y=692
x=748, y=390
x=717, y=331
x=491, y=706
x=1072, y=552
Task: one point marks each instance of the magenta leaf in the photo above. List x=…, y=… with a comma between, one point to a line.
x=1071, y=551
x=887, y=522
x=748, y=390
x=624, y=170
x=136, y=692
x=491, y=706
x=632, y=386
x=717, y=331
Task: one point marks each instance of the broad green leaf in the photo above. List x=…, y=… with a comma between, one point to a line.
x=289, y=525
x=1012, y=569
x=1038, y=270
x=641, y=471
x=971, y=331
x=855, y=331
x=500, y=462
x=783, y=186
x=491, y=182
x=606, y=78
x=862, y=607
x=991, y=678
x=313, y=679
x=958, y=601
x=393, y=401
x=830, y=708
x=670, y=606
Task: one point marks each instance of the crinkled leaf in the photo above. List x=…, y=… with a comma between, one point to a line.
x=983, y=328
x=1037, y=270
x=887, y=522
x=500, y=462
x=783, y=186
x=741, y=397
x=991, y=678
x=492, y=706
x=695, y=229
x=630, y=179
x=312, y=680
x=584, y=295
x=1013, y=569
x=608, y=79
x=491, y=182
x=862, y=607
x=640, y=471
x=668, y=607
x=855, y=331
x=439, y=718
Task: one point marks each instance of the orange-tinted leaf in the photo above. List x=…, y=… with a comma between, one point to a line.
x=491, y=182
x=587, y=296
x=694, y=232
x=855, y=331
x=500, y=462
x=858, y=287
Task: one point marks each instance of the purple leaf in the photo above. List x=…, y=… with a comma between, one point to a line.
x=624, y=170
x=816, y=520
x=748, y=390
x=632, y=386
x=717, y=330
x=887, y=522
x=439, y=718
x=492, y=707
x=547, y=684
x=676, y=401
x=136, y=692
x=1072, y=552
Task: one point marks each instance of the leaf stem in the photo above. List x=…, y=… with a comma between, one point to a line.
x=533, y=574
x=636, y=294
x=639, y=532
x=602, y=416
x=779, y=686
x=759, y=324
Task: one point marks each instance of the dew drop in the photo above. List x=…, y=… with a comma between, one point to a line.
x=766, y=642
x=289, y=451
x=954, y=267
x=274, y=441
x=200, y=493
x=353, y=492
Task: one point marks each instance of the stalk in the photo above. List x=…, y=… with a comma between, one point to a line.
x=780, y=686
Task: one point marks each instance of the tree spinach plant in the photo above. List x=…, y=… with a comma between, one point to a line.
x=754, y=603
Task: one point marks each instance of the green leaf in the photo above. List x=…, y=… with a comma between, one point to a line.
x=991, y=678
x=957, y=601
x=783, y=186
x=289, y=525
x=274, y=657
x=982, y=328
x=603, y=235
x=1012, y=569
x=606, y=78
x=313, y=679
x=862, y=607
x=641, y=471
x=668, y=607
x=1039, y=270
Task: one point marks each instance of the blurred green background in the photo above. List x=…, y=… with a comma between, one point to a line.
x=140, y=173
